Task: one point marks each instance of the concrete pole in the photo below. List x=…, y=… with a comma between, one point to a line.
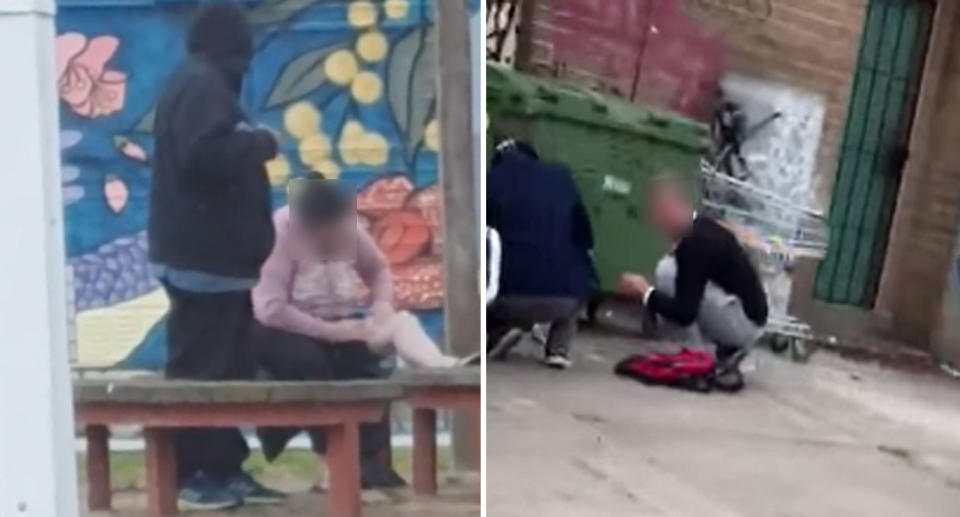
x=460, y=196
x=37, y=464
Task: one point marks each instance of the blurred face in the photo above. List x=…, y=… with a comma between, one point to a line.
x=331, y=236
x=670, y=211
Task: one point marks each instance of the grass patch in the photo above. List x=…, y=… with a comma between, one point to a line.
x=126, y=468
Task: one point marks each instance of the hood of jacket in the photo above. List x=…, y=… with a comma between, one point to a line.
x=221, y=34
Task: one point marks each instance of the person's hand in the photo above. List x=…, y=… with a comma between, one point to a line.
x=633, y=284
x=350, y=330
x=380, y=312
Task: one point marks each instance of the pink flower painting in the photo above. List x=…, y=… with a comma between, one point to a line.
x=116, y=193
x=83, y=79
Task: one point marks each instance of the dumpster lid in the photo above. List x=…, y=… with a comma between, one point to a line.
x=519, y=94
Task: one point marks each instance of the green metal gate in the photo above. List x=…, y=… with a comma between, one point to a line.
x=874, y=146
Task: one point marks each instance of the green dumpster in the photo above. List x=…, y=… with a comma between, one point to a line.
x=613, y=148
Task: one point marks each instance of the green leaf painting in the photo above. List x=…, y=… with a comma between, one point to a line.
x=146, y=123
x=272, y=12
x=411, y=86
x=299, y=77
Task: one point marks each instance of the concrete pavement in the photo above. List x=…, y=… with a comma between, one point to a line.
x=832, y=438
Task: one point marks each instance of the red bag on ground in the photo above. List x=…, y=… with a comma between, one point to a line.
x=691, y=369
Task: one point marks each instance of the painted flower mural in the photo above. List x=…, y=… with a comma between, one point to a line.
x=70, y=173
x=350, y=85
x=84, y=81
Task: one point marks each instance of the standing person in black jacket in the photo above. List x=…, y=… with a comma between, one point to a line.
x=706, y=285
x=546, y=272
x=210, y=230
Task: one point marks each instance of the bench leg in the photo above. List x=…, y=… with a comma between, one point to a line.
x=98, y=468
x=424, y=451
x=343, y=461
x=161, y=473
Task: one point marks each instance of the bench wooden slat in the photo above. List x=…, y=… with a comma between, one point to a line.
x=439, y=377
x=306, y=414
x=166, y=392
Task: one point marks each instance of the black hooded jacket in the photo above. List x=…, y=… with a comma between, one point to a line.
x=210, y=197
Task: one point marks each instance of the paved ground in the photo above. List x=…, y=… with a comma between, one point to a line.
x=828, y=439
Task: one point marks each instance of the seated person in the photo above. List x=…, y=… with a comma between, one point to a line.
x=546, y=272
x=707, y=285
x=308, y=324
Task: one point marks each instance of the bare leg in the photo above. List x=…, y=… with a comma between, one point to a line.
x=404, y=334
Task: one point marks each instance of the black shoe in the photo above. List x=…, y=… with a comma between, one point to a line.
x=730, y=380
x=727, y=375
x=245, y=487
x=381, y=478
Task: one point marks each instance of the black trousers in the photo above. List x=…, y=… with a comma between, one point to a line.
x=208, y=338
x=295, y=357
x=512, y=311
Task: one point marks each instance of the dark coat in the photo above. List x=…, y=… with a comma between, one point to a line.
x=210, y=207
x=544, y=229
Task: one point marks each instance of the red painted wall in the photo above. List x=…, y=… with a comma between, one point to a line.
x=644, y=50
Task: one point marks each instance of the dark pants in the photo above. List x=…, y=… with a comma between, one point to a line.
x=208, y=338
x=295, y=357
x=512, y=311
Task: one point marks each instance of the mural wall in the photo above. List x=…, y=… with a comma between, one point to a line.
x=349, y=84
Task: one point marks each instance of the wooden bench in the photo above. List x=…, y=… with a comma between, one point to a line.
x=161, y=406
x=428, y=391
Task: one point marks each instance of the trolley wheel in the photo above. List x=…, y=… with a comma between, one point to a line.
x=779, y=344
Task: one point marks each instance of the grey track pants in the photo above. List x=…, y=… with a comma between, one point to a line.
x=720, y=321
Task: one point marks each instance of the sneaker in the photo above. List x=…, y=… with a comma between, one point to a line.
x=557, y=361
x=470, y=360
x=200, y=493
x=243, y=486
x=730, y=380
x=501, y=348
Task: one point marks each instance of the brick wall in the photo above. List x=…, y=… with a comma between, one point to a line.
x=924, y=230
x=811, y=44
x=643, y=50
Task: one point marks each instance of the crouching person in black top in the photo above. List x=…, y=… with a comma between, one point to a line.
x=706, y=287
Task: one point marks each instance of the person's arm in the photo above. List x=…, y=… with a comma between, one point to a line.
x=271, y=298
x=691, y=282
x=212, y=141
x=582, y=230
x=375, y=272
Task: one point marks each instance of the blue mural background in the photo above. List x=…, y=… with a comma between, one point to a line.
x=107, y=151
